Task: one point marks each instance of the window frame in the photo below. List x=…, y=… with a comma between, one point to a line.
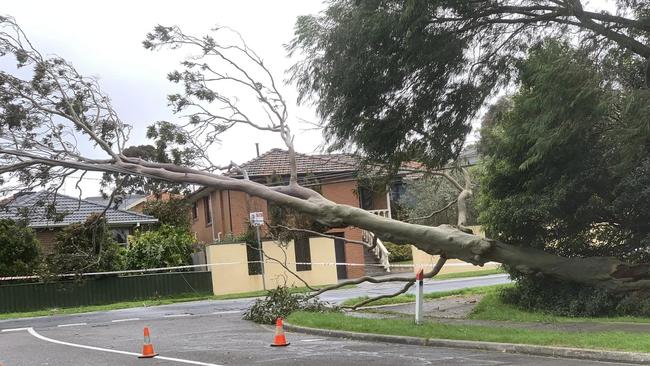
x=208, y=211
x=253, y=255
x=302, y=251
x=195, y=211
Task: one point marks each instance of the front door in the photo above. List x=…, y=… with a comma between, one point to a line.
x=339, y=250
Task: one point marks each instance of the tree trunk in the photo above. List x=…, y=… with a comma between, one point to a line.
x=446, y=240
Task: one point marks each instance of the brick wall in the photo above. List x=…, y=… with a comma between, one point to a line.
x=47, y=238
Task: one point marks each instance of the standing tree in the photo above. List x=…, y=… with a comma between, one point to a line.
x=45, y=118
x=554, y=176
x=399, y=80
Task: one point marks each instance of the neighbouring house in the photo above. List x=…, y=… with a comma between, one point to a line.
x=132, y=202
x=34, y=207
x=220, y=215
x=422, y=260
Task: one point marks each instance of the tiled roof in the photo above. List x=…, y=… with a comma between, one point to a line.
x=277, y=161
x=127, y=201
x=77, y=211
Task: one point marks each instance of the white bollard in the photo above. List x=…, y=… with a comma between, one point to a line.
x=419, y=296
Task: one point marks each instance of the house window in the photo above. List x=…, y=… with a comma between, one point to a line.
x=121, y=236
x=208, y=211
x=365, y=198
x=253, y=258
x=195, y=211
x=303, y=254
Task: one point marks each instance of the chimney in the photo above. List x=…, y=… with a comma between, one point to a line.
x=257, y=148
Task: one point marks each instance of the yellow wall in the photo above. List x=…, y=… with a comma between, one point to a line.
x=232, y=276
x=426, y=261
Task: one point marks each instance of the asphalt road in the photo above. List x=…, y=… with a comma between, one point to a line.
x=212, y=333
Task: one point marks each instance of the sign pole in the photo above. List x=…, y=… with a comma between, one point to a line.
x=257, y=220
x=259, y=248
x=419, y=296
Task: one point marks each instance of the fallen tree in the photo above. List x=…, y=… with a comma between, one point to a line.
x=49, y=118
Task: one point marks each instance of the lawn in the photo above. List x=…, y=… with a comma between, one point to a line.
x=621, y=341
x=479, y=273
x=430, y=296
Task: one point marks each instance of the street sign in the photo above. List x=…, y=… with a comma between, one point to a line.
x=257, y=218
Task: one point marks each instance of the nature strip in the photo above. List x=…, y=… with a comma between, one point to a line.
x=547, y=351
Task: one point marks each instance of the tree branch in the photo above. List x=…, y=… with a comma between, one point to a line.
x=436, y=269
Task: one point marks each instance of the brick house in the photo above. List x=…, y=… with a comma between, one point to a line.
x=32, y=207
x=220, y=214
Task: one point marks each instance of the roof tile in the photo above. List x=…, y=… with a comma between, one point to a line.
x=77, y=211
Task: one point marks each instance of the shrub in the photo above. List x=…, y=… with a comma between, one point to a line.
x=173, y=212
x=281, y=302
x=399, y=253
x=166, y=247
x=87, y=247
x=572, y=299
x=19, y=249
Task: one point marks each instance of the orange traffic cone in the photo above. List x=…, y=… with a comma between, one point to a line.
x=147, y=347
x=280, y=340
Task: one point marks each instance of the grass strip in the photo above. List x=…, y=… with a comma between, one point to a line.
x=479, y=273
x=401, y=299
x=620, y=341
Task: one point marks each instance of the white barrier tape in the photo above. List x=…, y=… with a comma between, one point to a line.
x=246, y=263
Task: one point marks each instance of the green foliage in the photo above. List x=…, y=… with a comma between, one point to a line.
x=573, y=300
x=398, y=253
x=161, y=153
x=551, y=177
x=556, y=175
x=19, y=249
x=281, y=302
x=400, y=80
x=86, y=247
x=383, y=80
x=166, y=247
x=173, y=212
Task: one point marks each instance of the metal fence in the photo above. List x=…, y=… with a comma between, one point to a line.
x=98, y=291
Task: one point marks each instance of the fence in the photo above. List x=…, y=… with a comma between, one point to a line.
x=92, y=291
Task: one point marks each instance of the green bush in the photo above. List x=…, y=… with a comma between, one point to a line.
x=19, y=249
x=281, y=302
x=166, y=247
x=86, y=247
x=399, y=253
x=173, y=212
x=572, y=299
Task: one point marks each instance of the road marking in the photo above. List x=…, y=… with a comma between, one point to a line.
x=312, y=340
x=71, y=325
x=124, y=320
x=41, y=337
x=176, y=315
x=13, y=330
x=227, y=312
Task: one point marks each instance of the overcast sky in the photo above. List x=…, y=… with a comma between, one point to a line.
x=103, y=39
